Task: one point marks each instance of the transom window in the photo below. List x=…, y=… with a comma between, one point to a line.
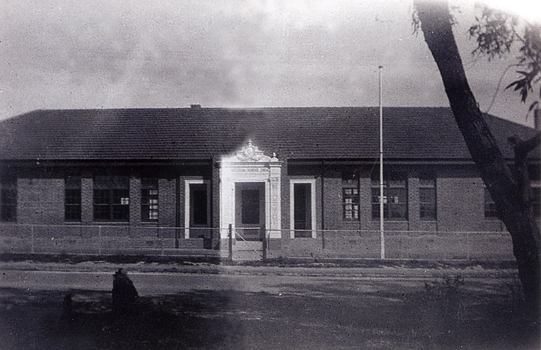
x=149, y=200
x=72, y=198
x=111, y=198
x=395, y=198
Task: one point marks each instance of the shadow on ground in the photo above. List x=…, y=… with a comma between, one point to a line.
x=223, y=319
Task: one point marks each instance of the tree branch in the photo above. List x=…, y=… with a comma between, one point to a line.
x=522, y=148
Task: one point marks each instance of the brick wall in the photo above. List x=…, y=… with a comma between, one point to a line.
x=460, y=202
x=332, y=198
x=460, y=207
x=414, y=219
x=167, y=202
x=215, y=208
x=135, y=201
x=40, y=201
x=87, y=196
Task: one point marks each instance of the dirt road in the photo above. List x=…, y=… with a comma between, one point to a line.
x=269, y=279
x=240, y=307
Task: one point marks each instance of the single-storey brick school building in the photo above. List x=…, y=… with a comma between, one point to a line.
x=249, y=183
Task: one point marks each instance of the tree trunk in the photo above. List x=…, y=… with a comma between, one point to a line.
x=513, y=209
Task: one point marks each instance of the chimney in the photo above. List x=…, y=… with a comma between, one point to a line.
x=537, y=118
x=195, y=106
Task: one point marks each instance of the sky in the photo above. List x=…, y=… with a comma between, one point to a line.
x=74, y=54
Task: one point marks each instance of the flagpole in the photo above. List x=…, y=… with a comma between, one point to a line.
x=381, y=218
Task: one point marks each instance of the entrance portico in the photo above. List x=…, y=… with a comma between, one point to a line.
x=250, y=197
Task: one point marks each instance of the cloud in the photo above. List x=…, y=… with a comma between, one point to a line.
x=242, y=53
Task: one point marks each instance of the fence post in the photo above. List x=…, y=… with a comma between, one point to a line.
x=264, y=234
x=230, y=236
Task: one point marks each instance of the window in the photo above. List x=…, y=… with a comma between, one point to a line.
x=111, y=198
x=72, y=198
x=490, y=206
x=199, y=204
x=351, y=203
x=149, y=200
x=8, y=205
x=197, y=208
x=350, y=195
x=303, y=208
x=427, y=198
x=395, y=198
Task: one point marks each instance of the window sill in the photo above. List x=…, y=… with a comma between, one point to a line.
x=149, y=224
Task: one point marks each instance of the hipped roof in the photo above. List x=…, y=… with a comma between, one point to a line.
x=202, y=133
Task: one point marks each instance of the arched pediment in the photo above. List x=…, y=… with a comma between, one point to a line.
x=248, y=153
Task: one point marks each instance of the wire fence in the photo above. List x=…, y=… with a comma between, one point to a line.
x=253, y=244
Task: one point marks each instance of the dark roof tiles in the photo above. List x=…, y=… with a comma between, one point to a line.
x=301, y=133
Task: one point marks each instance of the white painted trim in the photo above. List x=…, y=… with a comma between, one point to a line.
x=250, y=165
x=292, y=183
x=187, y=183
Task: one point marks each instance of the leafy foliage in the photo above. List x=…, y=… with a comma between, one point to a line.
x=496, y=32
x=440, y=311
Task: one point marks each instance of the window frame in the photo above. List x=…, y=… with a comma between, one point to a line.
x=350, y=196
x=312, y=183
x=150, y=202
x=433, y=203
x=111, y=195
x=188, y=204
x=72, y=198
x=390, y=185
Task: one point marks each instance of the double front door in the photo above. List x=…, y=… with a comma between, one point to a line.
x=250, y=210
